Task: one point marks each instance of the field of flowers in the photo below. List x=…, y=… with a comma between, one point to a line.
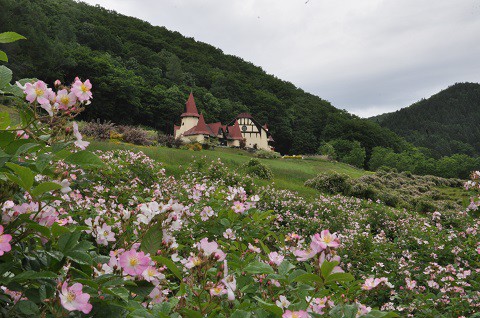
x=110, y=234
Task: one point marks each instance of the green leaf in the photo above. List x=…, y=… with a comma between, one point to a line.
x=42, y=161
x=28, y=307
x=3, y=56
x=6, y=138
x=285, y=267
x=25, y=175
x=4, y=120
x=339, y=277
x=344, y=311
x=270, y=307
x=58, y=230
x=45, y=231
x=308, y=278
x=45, y=187
x=85, y=159
x=163, y=308
x=5, y=76
x=120, y=292
x=257, y=267
x=327, y=267
x=170, y=265
x=32, y=275
x=140, y=313
x=27, y=147
x=152, y=240
x=192, y=314
x=67, y=241
x=240, y=314
x=8, y=37
x=79, y=257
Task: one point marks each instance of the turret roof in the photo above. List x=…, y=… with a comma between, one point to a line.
x=190, y=108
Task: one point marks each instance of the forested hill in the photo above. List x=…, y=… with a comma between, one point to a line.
x=446, y=123
x=142, y=74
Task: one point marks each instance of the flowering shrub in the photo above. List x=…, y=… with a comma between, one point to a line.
x=111, y=234
x=256, y=168
x=267, y=154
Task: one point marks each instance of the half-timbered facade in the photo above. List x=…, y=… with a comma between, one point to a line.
x=244, y=127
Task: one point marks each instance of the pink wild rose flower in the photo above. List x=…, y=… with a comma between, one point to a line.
x=66, y=99
x=4, y=242
x=82, y=90
x=295, y=314
x=37, y=91
x=72, y=298
x=134, y=263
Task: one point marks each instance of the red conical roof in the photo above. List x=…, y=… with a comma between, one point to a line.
x=234, y=131
x=190, y=108
x=200, y=129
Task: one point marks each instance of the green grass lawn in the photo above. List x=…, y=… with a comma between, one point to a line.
x=288, y=173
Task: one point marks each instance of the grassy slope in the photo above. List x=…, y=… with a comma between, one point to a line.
x=289, y=173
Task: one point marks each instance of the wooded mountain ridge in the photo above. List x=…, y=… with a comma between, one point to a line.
x=446, y=123
x=142, y=74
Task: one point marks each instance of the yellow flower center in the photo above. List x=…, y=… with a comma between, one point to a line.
x=327, y=239
x=39, y=92
x=197, y=261
x=133, y=261
x=217, y=289
x=71, y=296
x=84, y=88
x=64, y=99
x=1, y=238
x=105, y=233
x=295, y=315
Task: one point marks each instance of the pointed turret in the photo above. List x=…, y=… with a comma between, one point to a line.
x=190, y=108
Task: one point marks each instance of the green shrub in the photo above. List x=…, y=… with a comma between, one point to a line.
x=255, y=168
x=362, y=190
x=330, y=183
x=267, y=154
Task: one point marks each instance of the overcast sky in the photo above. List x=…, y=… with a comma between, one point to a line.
x=365, y=56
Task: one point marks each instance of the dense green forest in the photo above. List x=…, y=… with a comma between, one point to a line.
x=446, y=123
x=142, y=74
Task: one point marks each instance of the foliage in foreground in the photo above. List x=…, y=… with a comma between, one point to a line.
x=111, y=234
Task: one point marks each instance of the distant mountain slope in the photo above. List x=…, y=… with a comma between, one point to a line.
x=142, y=74
x=447, y=122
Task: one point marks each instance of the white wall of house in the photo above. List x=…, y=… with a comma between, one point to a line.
x=186, y=124
x=253, y=135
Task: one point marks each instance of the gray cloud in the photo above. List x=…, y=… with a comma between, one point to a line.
x=369, y=56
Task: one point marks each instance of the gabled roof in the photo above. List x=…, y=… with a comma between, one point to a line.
x=190, y=108
x=200, y=129
x=234, y=131
x=215, y=127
